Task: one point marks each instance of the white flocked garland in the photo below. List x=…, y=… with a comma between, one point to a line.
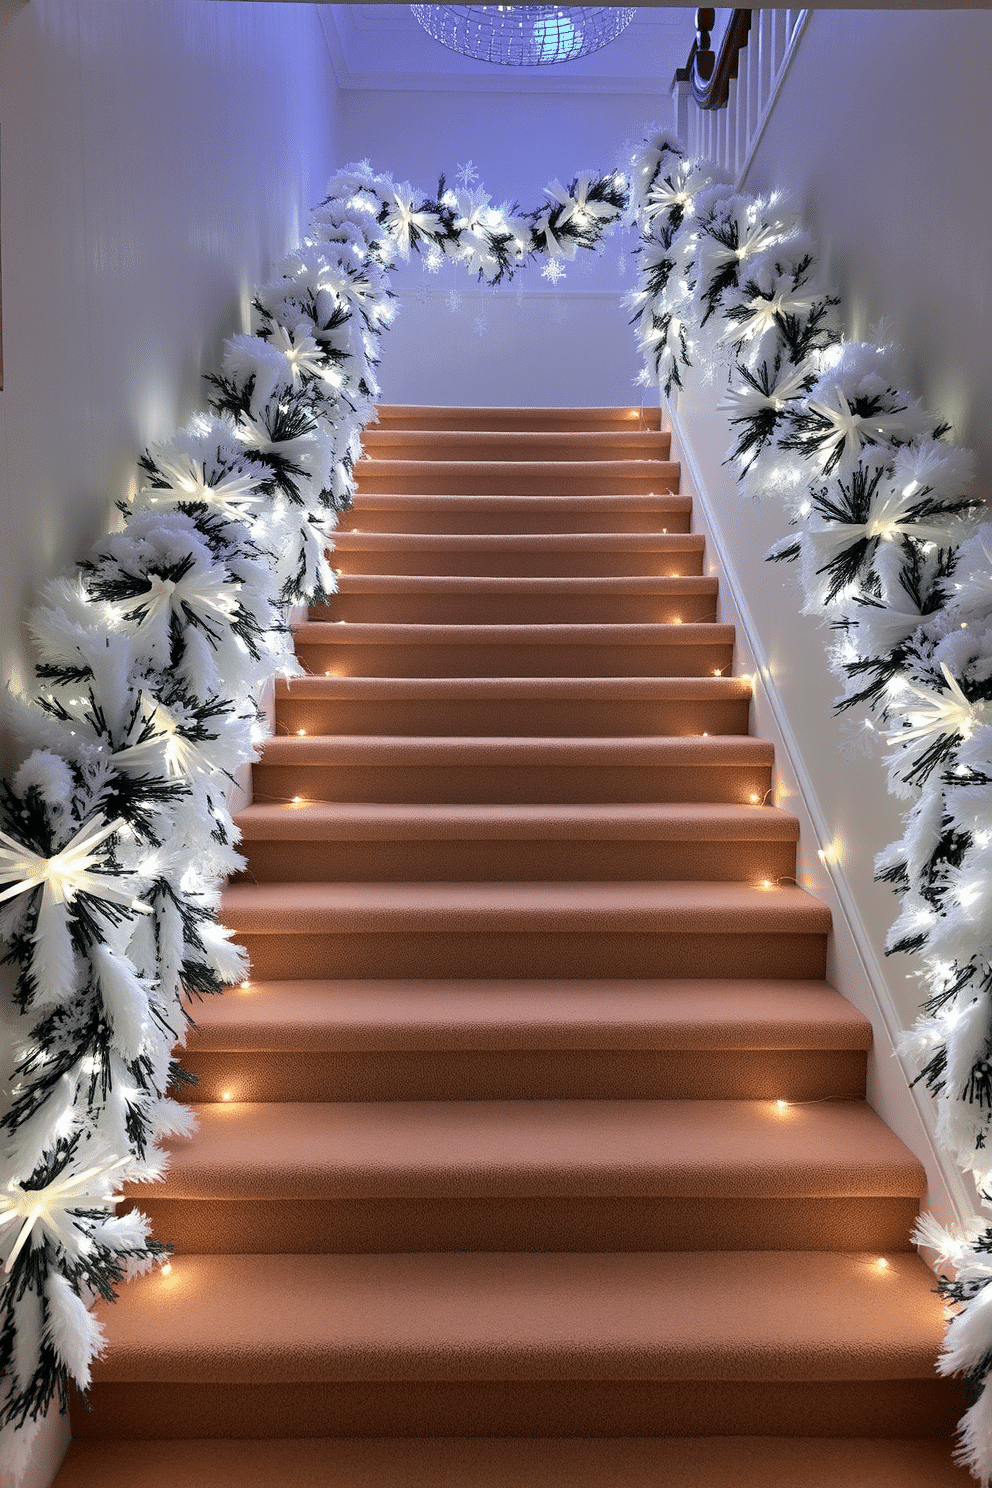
x=115, y=834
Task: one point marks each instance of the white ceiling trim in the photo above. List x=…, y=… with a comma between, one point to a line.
x=398, y=56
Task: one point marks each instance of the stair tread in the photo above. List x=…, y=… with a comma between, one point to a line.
x=692, y=689
x=715, y=908
x=497, y=752
x=548, y=1148
x=664, y=469
x=380, y=443
x=448, y=1015
x=479, y=416
x=752, y=1315
x=362, y=632
x=497, y=1462
x=661, y=821
x=580, y=502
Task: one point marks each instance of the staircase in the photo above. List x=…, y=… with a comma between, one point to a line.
x=536, y=1152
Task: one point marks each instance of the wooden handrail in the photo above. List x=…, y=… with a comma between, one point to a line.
x=708, y=73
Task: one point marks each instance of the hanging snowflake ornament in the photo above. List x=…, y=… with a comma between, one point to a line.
x=553, y=271
x=467, y=175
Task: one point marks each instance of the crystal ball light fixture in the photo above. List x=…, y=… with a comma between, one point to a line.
x=523, y=35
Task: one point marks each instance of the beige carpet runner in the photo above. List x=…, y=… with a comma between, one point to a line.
x=536, y=1153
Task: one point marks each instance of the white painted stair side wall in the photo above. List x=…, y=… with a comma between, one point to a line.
x=839, y=794
x=155, y=166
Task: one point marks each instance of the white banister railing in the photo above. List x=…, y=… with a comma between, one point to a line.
x=729, y=135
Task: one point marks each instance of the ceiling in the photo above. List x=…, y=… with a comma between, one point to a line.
x=383, y=47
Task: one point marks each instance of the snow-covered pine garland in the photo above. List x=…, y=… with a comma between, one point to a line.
x=115, y=836
x=894, y=557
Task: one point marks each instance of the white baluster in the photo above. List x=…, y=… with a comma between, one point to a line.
x=753, y=86
x=764, y=51
x=780, y=36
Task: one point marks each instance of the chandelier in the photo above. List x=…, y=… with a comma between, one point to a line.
x=523, y=35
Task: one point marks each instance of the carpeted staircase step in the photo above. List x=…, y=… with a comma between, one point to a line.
x=499, y=1462
x=527, y=929
x=422, y=416
x=564, y=771
x=515, y=444
x=528, y=554
x=535, y=477
x=390, y=512
x=529, y=1040
x=463, y=600
x=769, y=1342
x=536, y=1175
x=369, y=650
x=514, y=707
x=371, y=841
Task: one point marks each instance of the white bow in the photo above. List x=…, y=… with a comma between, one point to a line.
x=67, y=873
x=183, y=759
x=231, y=496
x=850, y=429
x=50, y=1207
x=940, y=714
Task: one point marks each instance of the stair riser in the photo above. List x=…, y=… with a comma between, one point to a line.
x=495, y=860
x=437, y=608
x=538, y=954
x=620, y=1408
x=501, y=659
x=537, y=478
x=528, y=1074
x=495, y=1462
x=496, y=562
x=595, y=517
x=508, y=717
x=510, y=785
x=364, y=1225
x=393, y=416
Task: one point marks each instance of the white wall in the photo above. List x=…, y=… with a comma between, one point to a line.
x=158, y=156
x=881, y=131
x=572, y=346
